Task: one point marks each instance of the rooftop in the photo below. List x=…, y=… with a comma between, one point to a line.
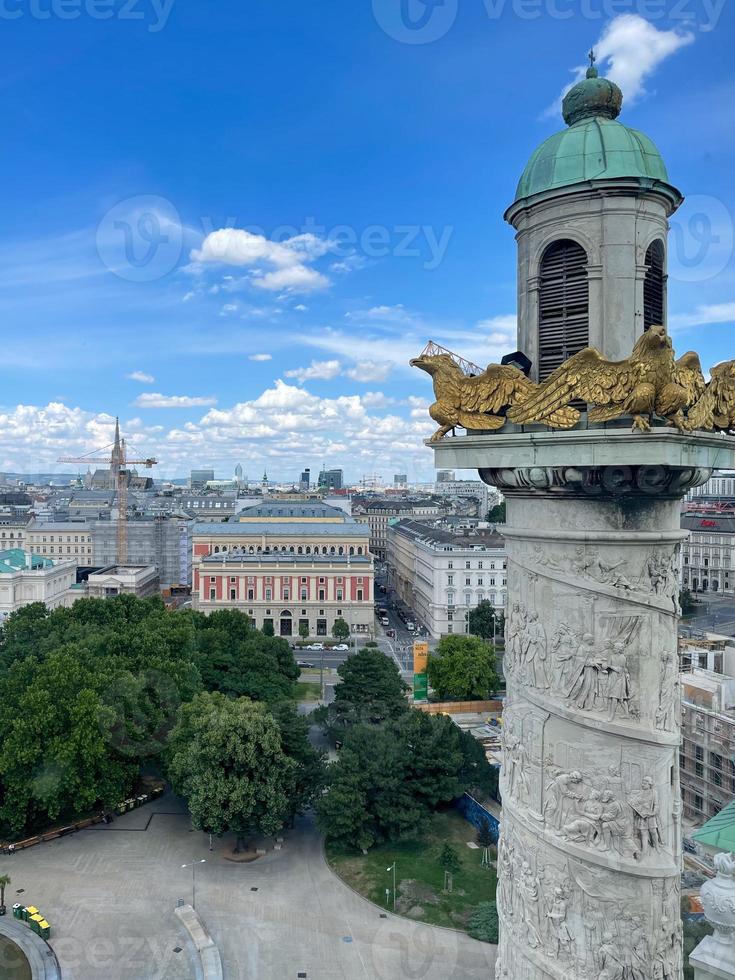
x=239, y=557
x=16, y=560
x=484, y=538
x=234, y=529
x=307, y=509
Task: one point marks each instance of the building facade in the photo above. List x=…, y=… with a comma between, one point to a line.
x=706, y=765
x=27, y=578
x=138, y=580
x=708, y=556
x=441, y=574
x=70, y=540
x=288, y=563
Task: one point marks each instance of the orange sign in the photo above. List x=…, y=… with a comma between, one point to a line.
x=420, y=656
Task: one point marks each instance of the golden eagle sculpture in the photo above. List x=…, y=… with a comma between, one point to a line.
x=715, y=409
x=649, y=382
x=477, y=402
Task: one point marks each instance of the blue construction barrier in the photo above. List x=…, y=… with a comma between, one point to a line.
x=476, y=814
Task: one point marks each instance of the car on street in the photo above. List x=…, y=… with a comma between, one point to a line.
x=315, y=646
x=303, y=663
x=341, y=647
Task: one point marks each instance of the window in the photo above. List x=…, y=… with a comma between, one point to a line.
x=449, y=564
x=212, y=593
x=340, y=595
x=450, y=627
x=563, y=305
x=479, y=565
x=698, y=802
x=654, y=285
x=233, y=594
x=322, y=595
x=467, y=565
x=303, y=595
x=468, y=581
x=450, y=598
x=286, y=593
x=251, y=595
x=359, y=595
x=450, y=579
x=479, y=581
x=268, y=595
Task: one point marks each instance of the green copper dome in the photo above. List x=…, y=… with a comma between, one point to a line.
x=594, y=147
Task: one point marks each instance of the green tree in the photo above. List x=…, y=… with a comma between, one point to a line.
x=483, y=924
x=304, y=630
x=4, y=882
x=389, y=778
x=485, y=839
x=268, y=628
x=496, y=514
x=340, y=630
x=687, y=603
x=483, y=620
x=309, y=775
x=372, y=691
x=462, y=667
x=449, y=859
x=226, y=758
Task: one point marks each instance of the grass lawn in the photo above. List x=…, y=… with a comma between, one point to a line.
x=308, y=691
x=420, y=877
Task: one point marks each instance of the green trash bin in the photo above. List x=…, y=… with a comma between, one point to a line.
x=17, y=910
x=28, y=911
x=35, y=922
x=44, y=929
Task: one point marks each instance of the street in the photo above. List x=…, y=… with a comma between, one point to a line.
x=714, y=613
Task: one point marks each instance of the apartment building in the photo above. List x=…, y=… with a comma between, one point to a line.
x=441, y=573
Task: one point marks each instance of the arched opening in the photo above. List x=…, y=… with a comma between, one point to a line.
x=352, y=550
x=359, y=551
x=563, y=306
x=286, y=623
x=654, y=285
x=300, y=550
x=308, y=549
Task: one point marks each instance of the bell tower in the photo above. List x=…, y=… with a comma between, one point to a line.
x=591, y=218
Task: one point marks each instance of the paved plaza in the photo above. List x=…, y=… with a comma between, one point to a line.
x=109, y=893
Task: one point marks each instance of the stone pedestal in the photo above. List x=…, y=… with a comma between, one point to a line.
x=714, y=957
x=590, y=850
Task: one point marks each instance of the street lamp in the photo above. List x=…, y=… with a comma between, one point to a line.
x=193, y=866
x=393, y=869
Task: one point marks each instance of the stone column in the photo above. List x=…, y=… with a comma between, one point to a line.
x=590, y=852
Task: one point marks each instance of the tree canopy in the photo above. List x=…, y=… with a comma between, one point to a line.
x=226, y=757
x=462, y=667
x=484, y=621
x=372, y=691
x=90, y=693
x=496, y=514
x=390, y=777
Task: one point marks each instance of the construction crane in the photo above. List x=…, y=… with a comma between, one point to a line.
x=118, y=463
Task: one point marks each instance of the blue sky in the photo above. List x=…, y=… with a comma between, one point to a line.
x=233, y=223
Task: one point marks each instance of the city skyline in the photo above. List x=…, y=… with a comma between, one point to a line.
x=226, y=311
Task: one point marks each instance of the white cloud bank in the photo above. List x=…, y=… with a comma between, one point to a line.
x=155, y=399
x=140, y=376
x=291, y=260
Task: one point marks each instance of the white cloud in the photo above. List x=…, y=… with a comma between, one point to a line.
x=290, y=259
x=260, y=357
x=141, y=376
x=368, y=371
x=316, y=371
x=297, y=278
x=188, y=296
x=301, y=308
x=154, y=399
x=703, y=315
x=629, y=51
x=389, y=314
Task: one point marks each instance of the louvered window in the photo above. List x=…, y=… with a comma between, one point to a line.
x=654, y=286
x=563, y=305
